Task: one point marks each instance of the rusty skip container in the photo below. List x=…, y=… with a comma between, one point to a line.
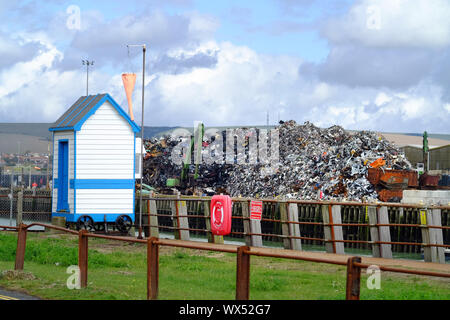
x=427, y=180
x=386, y=195
x=395, y=178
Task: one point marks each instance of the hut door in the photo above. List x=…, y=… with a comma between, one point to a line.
x=63, y=176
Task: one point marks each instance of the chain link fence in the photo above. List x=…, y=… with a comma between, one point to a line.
x=25, y=180
x=36, y=204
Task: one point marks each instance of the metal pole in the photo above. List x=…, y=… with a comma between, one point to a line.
x=87, y=78
x=152, y=268
x=21, y=245
x=12, y=199
x=243, y=273
x=83, y=257
x=87, y=63
x=142, y=143
x=47, y=185
x=142, y=134
x=353, y=279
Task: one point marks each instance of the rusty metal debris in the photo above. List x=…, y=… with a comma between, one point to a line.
x=313, y=163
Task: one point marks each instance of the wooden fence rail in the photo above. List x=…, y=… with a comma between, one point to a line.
x=382, y=228
x=243, y=261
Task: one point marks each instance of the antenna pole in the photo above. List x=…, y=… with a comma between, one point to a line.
x=87, y=63
x=142, y=142
x=144, y=49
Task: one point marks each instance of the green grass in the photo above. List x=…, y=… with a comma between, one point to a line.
x=118, y=271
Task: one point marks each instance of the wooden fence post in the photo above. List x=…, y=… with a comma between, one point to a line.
x=384, y=233
x=430, y=236
x=329, y=246
x=152, y=268
x=294, y=229
x=374, y=235
x=332, y=214
x=251, y=227
x=338, y=233
x=21, y=245
x=179, y=208
x=255, y=227
x=152, y=218
x=246, y=223
x=83, y=257
x=206, y=211
x=243, y=273
x=175, y=218
x=353, y=279
x=438, y=235
x=284, y=225
x=425, y=219
x=184, y=221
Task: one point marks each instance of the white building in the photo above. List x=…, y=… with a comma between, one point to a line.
x=95, y=163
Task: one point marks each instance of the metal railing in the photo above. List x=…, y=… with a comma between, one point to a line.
x=313, y=223
x=243, y=253
x=406, y=232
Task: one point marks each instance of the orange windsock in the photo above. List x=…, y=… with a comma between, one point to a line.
x=129, y=79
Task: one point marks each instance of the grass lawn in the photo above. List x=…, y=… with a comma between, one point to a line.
x=117, y=270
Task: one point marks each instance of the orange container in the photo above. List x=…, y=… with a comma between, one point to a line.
x=378, y=176
x=386, y=195
x=428, y=181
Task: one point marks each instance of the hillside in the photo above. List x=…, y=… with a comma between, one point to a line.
x=34, y=137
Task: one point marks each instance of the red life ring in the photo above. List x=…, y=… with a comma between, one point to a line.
x=218, y=214
x=221, y=215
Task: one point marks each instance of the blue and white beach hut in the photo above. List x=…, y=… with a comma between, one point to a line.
x=95, y=164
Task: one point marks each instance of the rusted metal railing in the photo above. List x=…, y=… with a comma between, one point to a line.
x=243, y=254
x=356, y=234
x=332, y=239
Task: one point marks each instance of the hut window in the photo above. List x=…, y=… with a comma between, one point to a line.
x=137, y=164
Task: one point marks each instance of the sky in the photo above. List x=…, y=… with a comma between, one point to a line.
x=381, y=65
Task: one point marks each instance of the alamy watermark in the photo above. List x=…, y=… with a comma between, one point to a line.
x=74, y=280
x=374, y=279
x=373, y=15
x=237, y=146
x=73, y=21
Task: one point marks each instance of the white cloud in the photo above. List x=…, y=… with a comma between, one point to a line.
x=393, y=23
x=240, y=88
x=202, y=26
x=414, y=108
x=244, y=85
x=23, y=73
x=227, y=84
x=382, y=98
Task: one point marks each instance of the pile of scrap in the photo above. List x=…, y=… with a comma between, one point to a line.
x=314, y=163
x=158, y=166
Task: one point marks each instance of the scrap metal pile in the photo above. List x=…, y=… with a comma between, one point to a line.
x=313, y=163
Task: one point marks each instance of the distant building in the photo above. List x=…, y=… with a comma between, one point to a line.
x=439, y=156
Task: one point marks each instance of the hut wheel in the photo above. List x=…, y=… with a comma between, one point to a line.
x=124, y=223
x=85, y=223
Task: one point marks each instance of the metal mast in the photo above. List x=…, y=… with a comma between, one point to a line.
x=142, y=134
x=87, y=63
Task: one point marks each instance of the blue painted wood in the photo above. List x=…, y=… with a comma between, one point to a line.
x=63, y=175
